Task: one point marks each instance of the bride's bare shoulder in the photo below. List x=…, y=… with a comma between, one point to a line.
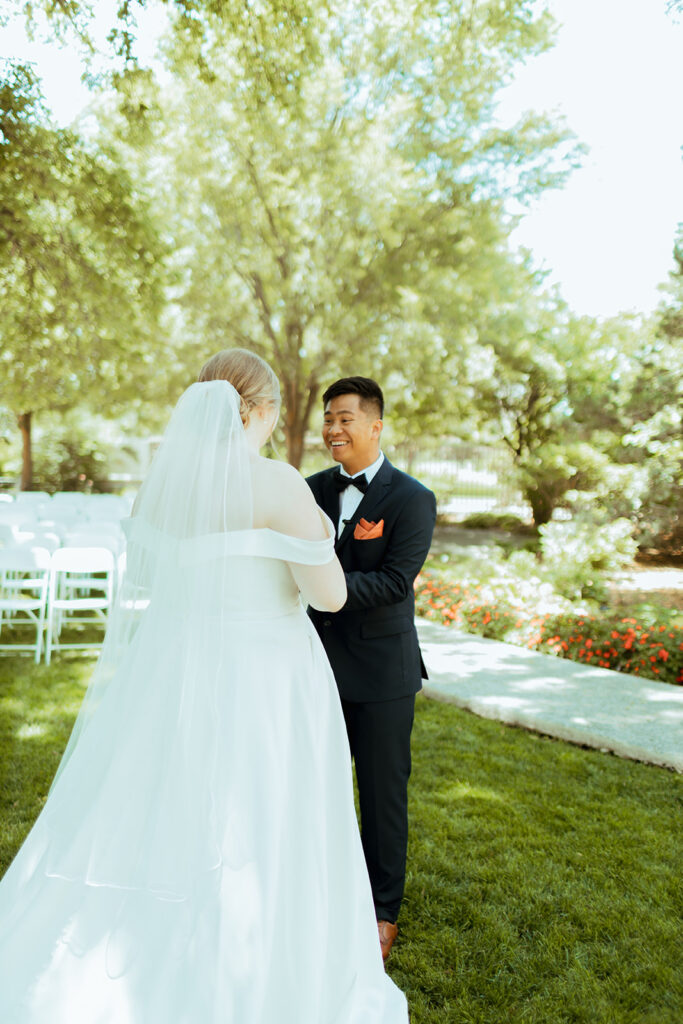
x=267, y=472
x=283, y=500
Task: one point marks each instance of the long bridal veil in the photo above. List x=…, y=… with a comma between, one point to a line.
x=198, y=485
x=158, y=684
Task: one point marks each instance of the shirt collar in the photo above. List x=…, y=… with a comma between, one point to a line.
x=369, y=472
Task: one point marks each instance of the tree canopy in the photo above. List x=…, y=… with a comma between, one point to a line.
x=78, y=265
x=351, y=214
x=329, y=185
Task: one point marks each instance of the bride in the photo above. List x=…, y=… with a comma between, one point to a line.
x=198, y=859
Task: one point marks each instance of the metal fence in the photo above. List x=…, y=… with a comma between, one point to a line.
x=466, y=477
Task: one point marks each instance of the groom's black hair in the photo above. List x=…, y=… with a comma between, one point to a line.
x=367, y=389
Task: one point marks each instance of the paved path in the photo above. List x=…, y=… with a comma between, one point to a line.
x=630, y=716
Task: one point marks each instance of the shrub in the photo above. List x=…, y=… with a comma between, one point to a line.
x=70, y=464
x=579, y=555
x=496, y=521
x=648, y=642
x=494, y=607
x=529, y=614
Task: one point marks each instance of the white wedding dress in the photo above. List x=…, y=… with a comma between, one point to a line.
x=198, y=859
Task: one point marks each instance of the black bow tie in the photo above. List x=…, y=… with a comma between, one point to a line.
x=342, y=482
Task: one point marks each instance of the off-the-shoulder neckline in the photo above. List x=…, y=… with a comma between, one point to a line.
x=240, y=533
x=269, y=529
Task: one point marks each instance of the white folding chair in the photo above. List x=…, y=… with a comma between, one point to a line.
x=32, y=497
x=37, y=537
x=24, y=579
x=7, y=538
x=60, y=519
x=13, y=513
x=111, y=507
x=81, y=593
x=99, y=535
x=68, y=500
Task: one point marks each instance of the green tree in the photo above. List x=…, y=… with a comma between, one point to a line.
x=335, y=184
x=653, y=419
x=79, y=266
x=351, y=218
x=554, y=387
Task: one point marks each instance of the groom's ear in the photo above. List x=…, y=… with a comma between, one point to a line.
x=377, y=428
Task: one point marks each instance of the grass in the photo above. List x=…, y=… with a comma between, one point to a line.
x=545, y=882
x=38, y=705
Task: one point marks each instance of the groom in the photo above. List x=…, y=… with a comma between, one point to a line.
x=384, y=522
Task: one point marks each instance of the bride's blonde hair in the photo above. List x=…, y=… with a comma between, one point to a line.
x=251, y=377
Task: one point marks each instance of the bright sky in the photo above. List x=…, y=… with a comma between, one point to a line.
x=617, y=75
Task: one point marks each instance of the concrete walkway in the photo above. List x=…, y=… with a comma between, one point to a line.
x=595, y=707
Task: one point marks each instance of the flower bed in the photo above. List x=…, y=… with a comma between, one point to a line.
x=649, y=643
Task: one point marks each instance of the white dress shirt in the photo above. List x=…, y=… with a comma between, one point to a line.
x=351, y=498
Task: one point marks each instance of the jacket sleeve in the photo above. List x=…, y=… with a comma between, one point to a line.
x=407, y=549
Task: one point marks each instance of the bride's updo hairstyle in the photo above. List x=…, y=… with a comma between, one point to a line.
x=251, y=377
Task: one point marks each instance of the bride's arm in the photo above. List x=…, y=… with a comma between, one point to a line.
x=291, y=509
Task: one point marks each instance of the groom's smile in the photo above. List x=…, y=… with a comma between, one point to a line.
x=351, y=432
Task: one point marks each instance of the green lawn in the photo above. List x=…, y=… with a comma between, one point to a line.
x=545, y=881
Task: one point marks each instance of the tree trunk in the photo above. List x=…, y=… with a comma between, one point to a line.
x=298, y=408
x=24, y=422
x=542, y=505
x=295, y=447
x=412, y=453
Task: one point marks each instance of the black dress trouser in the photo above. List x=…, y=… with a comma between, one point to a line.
x=379, y=737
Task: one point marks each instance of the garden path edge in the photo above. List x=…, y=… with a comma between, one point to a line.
x=595, y=707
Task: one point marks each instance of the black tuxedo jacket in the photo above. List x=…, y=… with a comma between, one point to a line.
x=372, y=642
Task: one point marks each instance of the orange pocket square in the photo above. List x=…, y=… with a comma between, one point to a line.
x=368, y=531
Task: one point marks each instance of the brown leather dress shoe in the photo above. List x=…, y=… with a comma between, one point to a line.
x=387, y=935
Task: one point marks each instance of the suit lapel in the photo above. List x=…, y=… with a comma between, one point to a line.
x=372, y=497
x=329, y=497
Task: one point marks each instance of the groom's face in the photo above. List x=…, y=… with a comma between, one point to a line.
x=351, y=432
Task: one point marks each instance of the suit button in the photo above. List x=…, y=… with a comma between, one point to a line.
x=327, y=622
